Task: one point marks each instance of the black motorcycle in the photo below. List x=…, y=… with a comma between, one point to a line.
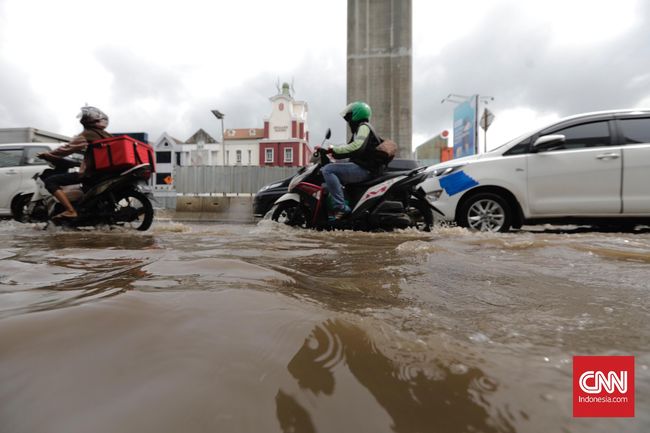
x=113, y=199
x=391, y=201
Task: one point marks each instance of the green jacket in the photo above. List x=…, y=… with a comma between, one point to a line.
x=361, y=149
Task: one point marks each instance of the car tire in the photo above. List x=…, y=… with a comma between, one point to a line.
x=486, y=211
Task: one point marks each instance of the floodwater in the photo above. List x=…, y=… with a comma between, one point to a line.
x=265, y=328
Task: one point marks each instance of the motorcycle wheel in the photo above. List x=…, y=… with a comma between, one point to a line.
x=133, y=210
x=290, y=213
x=19, y=206
x=421, y=215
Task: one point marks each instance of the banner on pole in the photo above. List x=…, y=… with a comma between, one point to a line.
x=465, y=128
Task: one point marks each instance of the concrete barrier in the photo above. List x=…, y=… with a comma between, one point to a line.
x=215, y=208
x=188, y=204
x=215, y=204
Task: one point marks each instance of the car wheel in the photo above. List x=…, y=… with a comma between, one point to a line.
x=486, y=212
x=290, y=213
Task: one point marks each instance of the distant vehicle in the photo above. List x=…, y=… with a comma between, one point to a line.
x=591, y=168
x=268, y=194
x=18, y=164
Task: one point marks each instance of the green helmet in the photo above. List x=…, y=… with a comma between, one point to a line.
x=357, y=112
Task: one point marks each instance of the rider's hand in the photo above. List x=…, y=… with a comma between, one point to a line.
x=330, y=150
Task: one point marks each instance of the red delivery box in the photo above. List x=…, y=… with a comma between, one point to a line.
x=121, y=153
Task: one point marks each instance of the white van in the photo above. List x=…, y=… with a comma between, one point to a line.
x=591, y=168
x=18, y=164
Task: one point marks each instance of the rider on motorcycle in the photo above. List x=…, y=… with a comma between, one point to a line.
x=363, y=160
x=94, y=122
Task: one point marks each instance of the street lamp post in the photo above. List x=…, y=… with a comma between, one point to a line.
x=219, y=115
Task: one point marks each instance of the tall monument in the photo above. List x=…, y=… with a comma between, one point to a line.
x=380, y=65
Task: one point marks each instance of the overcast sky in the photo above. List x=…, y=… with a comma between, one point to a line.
x=160, y=66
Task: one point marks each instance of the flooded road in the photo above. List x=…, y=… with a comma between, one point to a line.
x=264, y=328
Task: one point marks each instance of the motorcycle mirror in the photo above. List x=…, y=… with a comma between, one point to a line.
x=328, y=134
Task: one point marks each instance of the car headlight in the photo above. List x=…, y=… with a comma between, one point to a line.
x=444, y=171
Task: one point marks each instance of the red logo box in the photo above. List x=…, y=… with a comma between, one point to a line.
x=603, y=386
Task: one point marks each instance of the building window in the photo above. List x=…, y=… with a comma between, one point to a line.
x=288, y=154
x=268, y=155
x=238, y=156
x=178, y=158
x=163, y=157
x=249, y=156
x=227, y=157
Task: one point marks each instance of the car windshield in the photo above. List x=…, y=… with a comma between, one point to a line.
x=515, y=140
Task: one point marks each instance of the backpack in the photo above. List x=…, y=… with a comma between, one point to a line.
x=385, y=150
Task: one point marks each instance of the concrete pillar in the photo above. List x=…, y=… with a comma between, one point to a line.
x=379, y=65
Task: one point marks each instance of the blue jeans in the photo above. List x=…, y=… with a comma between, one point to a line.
x=342, y=173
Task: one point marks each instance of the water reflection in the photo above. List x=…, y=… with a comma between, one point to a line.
x=438, y=397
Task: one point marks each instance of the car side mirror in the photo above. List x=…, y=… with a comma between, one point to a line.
x=548, y=141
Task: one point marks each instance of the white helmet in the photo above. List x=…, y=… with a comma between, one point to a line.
x=91, y=115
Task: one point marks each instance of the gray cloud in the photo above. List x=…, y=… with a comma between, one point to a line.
x=514, y=62
x=246, y=104
x=509, y=58
x=20, y=106
x=134, y=78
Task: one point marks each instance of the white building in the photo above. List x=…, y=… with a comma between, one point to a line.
x=199, y=149
x=243, y=146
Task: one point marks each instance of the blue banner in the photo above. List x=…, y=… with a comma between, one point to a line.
x=465, y=128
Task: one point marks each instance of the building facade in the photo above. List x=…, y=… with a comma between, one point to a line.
x=200, y=149
x=430, y=152
x=286, y=132
x=243, y=146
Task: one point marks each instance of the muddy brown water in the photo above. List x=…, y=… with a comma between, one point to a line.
x=264, y=328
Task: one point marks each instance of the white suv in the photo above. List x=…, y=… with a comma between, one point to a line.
x=589, y=168
x=18, y=164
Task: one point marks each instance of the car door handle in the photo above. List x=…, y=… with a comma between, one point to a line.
x=608, y=156
x=8, y=172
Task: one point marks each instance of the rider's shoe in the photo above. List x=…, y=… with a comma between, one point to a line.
x=340, y=213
